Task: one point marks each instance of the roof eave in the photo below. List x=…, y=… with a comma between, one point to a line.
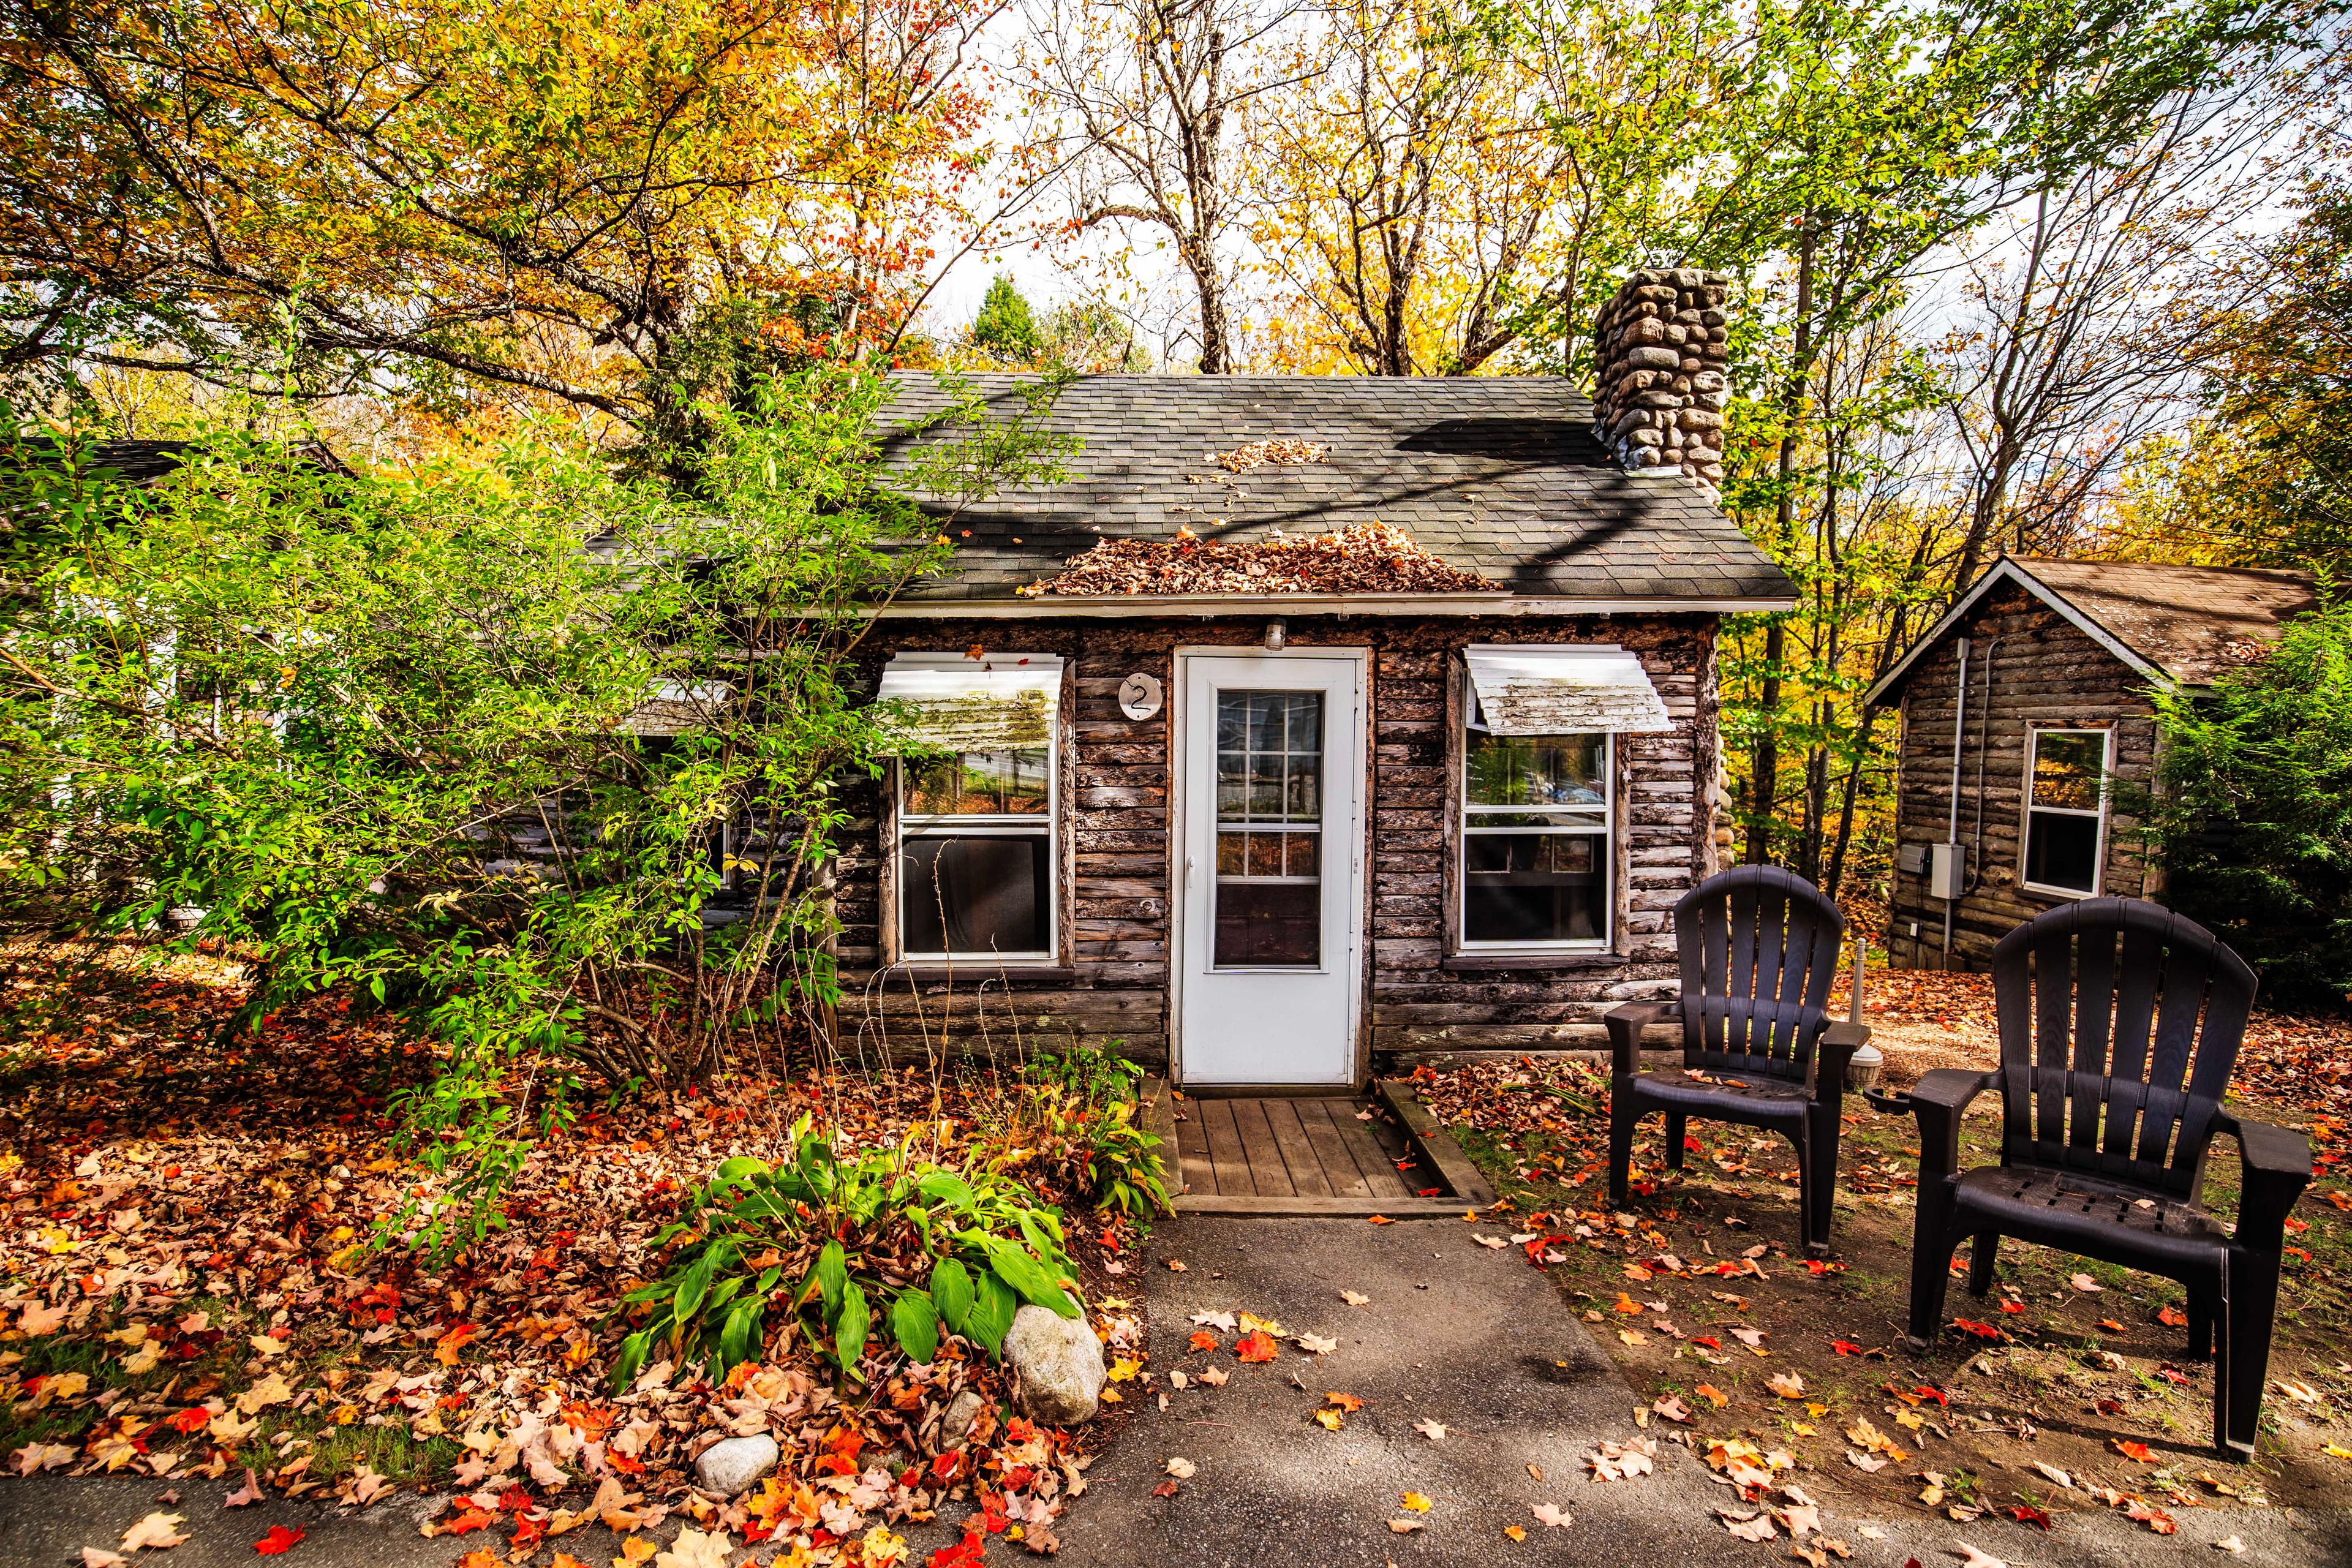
x=1046, y=606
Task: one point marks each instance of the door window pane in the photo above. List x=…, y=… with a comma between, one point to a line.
x=1534, y=888
x=1269, y=894
x=975, y=895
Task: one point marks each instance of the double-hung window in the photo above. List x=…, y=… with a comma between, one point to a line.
x=977, y=806
x=1535, y=839
x=2065, y=810
x=1537, y=829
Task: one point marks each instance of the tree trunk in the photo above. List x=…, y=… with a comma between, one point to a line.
x=1765, y=764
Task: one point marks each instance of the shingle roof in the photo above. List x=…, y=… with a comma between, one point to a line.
x=2185, y=625
x=2192, y=621
x=1500, y=475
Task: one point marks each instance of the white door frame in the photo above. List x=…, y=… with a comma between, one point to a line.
x=1358, y=762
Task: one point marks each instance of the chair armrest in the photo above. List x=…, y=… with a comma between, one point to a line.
x=1838, y=1044
x=1625, y=1026
x=2277, y=1168
x=1939, y=1099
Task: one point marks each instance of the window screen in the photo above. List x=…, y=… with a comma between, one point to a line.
x=976, y=855
x=2065, y=816
x=1535, y=840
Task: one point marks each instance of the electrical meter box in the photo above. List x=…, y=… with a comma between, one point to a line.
x=1947, y=871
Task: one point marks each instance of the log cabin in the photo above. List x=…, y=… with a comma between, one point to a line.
x=1315, y=724
x=2028, y=731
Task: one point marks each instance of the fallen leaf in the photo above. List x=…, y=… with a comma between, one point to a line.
x=2230, y=1544
x=1976, y=1558
x=279, y=1540
x=1182, y=1469
x=1329, y=1420
x=1433, y=1430
x=1788, y=1385
x=695, y=1549
x=1747, y=1527
x=158, y=1531
x=1354, y=1299
x=2086, y=1285
x=1414, y=1502
x=1314, y=1345
x=100, y=1557
x=2134, y=1451
x=1515, y=1531
x=1347, y=1402
x=1255, y=1346
x=1403, y=1526
x=1552, y=1514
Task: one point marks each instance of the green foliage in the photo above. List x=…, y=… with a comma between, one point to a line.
x=820, y=1240
x=1085, y=1097
x=2253, y=817
x=387, y=731
x=1005, y=326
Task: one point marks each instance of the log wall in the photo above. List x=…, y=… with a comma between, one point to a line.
x=2047, y=673
x=1112, y=987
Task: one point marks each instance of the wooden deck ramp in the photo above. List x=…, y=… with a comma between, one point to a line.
x=1314, y=1156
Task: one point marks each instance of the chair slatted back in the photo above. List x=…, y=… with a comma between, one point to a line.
x=1759, y=947
x=2120, y=1022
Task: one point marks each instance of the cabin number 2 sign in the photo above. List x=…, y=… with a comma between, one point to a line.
x=1139, y=696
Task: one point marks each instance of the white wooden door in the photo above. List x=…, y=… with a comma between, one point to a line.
x=1270, y=757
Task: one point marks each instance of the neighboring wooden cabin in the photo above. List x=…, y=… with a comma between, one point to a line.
x=2054, y=661
x=1263, y=837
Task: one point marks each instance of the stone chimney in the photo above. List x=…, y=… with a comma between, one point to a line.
x=1659, y=388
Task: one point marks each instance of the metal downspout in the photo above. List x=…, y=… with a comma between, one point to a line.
x=1984, y=751
x=1960, y=740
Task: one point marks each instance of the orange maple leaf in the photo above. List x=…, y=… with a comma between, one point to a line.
x=1255, y=1345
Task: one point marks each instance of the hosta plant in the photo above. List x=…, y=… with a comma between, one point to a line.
x=821, y=1245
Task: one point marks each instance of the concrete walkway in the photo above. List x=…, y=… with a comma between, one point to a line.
x=1455, y=1333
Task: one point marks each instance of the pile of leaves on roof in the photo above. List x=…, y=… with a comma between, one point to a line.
x=1291, y=451
x=1362, y=558
x=186, y=1288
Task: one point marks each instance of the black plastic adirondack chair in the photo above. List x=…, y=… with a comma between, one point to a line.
x=1759, y=948
x=2120, y=1022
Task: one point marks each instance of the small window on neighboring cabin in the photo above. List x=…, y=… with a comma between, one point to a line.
x=2065, y=810
x=976, y=823
x=1535, y=839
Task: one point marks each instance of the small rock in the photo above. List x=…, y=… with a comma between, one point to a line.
x=956, y=1425
x=1059, y=1363
x=732, y=1465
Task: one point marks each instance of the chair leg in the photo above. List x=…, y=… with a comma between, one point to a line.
x=2249, y=1302
x=2201, y=1322
x=1983, y=1253
x=1932, y=1245
x=1820, y=1191
x=1622, y=1118
x=1677, y=1125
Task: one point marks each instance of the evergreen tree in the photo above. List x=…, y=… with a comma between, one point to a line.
x=1005, y=326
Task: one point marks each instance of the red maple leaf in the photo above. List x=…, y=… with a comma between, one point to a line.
x=1202, y=1339
x=2025, y=1513
x=964, y=1554
x=1255, y=1345
x=1981, y=1330
x=1842, y=1347
x=2134, y=1451
x=279, y=1539
x=472, y=1519
x=192, y=1419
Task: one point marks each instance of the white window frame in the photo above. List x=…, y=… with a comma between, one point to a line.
x=932, y=825
x=2033, y=734
x=1605, y=831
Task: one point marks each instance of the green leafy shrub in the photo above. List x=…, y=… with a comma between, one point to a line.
x=1078, y=1106
x=2252, y=818
x=829, y=1243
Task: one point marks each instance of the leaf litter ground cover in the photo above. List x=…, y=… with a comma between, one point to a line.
x=2067, y=1387
x=184, y=1292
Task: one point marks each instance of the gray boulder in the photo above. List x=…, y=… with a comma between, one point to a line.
x=1059, y=1366
x=734, y=1465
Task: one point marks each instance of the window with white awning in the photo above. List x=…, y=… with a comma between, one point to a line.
x=978, y=814
x=1565, y=692
x=1538, y=794
x=960, y=703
